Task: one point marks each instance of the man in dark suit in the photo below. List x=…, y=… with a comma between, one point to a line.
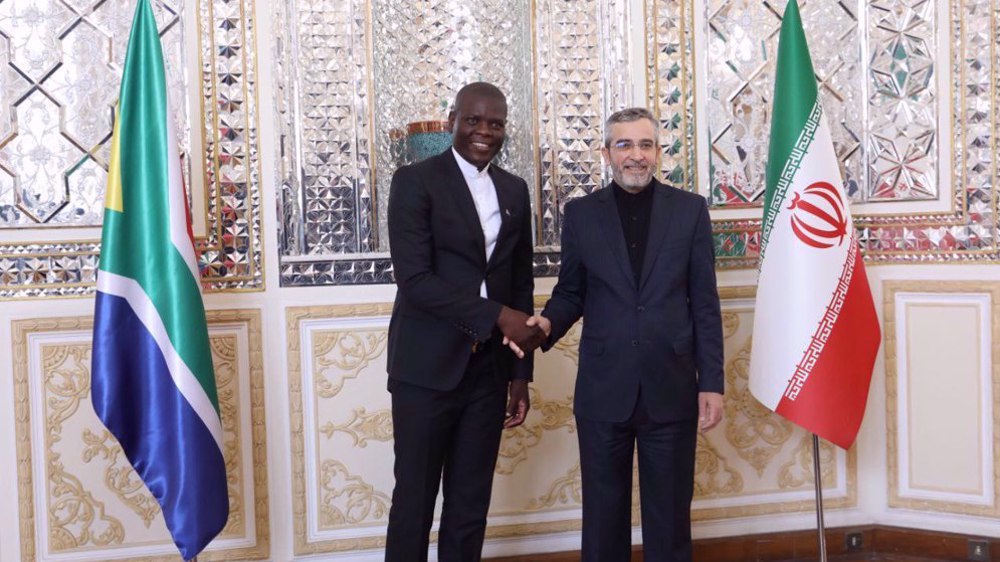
x=638, y=266
x=461, y=247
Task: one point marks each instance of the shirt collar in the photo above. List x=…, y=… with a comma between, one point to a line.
x=468, y=170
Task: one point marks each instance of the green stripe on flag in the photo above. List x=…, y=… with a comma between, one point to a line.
x=794, y=98
x=136, y=241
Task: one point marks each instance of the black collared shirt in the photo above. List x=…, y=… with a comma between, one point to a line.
x=634, y=211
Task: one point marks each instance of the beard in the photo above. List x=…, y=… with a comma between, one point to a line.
x=632, y=181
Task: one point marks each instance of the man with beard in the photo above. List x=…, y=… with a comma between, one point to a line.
x=638, y=266
x=461, y=247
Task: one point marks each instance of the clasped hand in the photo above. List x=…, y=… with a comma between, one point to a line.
x=539, y=328
x=522, y=333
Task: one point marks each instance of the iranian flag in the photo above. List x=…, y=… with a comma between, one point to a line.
x=815, y=333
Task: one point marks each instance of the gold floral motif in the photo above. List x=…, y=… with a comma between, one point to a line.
x=347, y=499
x=798, y=472
x=708, y=464
x=730, y=324
x=556, y=413
x=515, y=442
x=224, y=350
x=76, y=518
x=756, y=433
x=564, y=491
x=347, y=353
x=514, y=446
x=119, y=476
x=362, y=427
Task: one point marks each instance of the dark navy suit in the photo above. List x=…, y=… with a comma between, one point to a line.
x=649, y=345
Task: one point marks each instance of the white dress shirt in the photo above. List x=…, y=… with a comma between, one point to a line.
x=484, y=195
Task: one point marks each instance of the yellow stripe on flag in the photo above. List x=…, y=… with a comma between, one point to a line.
x=113, y=195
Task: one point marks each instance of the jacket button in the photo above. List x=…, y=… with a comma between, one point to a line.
x=635, y=343
x=641, y=308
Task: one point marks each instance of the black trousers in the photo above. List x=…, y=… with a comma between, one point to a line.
x=666, y=487
x=450, y=437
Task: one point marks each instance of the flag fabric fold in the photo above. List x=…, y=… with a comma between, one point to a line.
x=816, y=332
x=153, y=384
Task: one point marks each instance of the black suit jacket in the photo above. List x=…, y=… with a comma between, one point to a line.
x=664, y=334
x=439, y=260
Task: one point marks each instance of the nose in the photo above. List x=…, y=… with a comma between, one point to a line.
x=483, y=128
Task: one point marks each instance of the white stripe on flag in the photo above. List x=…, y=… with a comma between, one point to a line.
x=184, y=379
x=796, y=283
x=178, y=205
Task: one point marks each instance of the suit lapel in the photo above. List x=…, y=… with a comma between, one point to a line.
x=611, y=224
x=459, y=190
x=660, y=221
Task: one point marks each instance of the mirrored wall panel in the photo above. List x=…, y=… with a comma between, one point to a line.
x=366, y=86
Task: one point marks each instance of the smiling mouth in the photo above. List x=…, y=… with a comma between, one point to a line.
x=480, y=146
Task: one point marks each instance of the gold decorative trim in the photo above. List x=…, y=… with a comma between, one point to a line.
x=731, y=326
x=349, y=352
x=361, y=501
x=515, y=442
x=119, y=476
x=737, y=293
x=567, y=489
x=294, y=316
x=363, y=427
x=708, y=464
x=889, y=330
x=22, y=330
x=802, y=464
x=731, y=512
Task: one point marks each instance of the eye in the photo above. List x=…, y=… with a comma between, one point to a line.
x=471, y=120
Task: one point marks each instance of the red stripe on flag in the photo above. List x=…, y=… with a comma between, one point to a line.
x=832, y=400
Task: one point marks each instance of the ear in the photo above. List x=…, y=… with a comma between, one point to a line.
x=451, y=121
x=606, y=154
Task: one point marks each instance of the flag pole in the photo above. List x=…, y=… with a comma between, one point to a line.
x=819, y=500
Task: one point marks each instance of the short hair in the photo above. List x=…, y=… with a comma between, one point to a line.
x=627, y=116
x=481, y=89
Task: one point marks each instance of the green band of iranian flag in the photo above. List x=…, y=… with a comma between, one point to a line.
x=816, y=333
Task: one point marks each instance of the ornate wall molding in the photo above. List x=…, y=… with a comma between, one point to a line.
x=891, y=291
x=74, y=472
x=757, y=453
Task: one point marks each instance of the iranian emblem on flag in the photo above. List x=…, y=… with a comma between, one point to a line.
x=816, y=333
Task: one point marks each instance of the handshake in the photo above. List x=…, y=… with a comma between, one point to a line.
x=523, y=333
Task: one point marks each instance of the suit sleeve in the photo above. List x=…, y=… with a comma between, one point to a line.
x=703, y=296
x=411, y=247
x=566, y=305
x=523, y=278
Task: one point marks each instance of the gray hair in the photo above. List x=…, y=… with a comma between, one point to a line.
x=627, y=116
